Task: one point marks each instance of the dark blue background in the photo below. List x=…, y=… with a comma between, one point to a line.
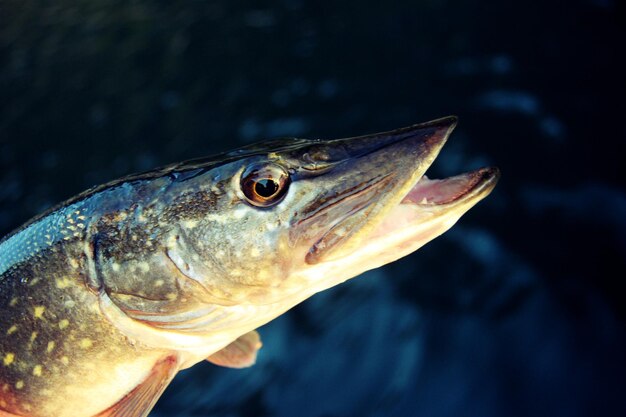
x=519, y=310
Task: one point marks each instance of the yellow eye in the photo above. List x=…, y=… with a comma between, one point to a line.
x=264, y=185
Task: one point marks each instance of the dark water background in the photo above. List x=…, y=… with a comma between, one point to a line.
x=519, y=310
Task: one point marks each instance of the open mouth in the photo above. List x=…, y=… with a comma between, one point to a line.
x=383, y=202
x=430, y=208
x=380, y=206
x=429, y=192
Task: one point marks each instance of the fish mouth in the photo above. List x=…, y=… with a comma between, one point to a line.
x=433, y=205
x=448, y=191
x=399, y=209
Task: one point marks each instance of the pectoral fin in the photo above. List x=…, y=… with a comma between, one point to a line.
x=142, y=398
x=239, y=354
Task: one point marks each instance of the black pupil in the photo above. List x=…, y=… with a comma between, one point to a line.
x=266, y=187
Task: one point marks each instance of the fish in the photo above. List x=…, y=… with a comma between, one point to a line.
x=105, y=297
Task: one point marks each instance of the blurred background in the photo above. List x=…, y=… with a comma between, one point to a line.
x=519, y=310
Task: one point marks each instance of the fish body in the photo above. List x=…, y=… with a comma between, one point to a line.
x=105, y=297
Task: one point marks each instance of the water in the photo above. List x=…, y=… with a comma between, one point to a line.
x=519, y=310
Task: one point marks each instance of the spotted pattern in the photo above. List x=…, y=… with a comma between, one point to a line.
x=160, y=245
x=53, y=335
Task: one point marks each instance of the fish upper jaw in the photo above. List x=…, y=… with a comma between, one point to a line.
x=377, y=171
x=404, y=211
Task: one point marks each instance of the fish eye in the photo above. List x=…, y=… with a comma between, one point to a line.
x=264, y=185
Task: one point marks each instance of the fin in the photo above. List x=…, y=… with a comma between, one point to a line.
x=142, y=398
x=239, y=354
x=9, y=404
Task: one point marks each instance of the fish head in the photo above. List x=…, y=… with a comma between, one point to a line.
x=298, y=216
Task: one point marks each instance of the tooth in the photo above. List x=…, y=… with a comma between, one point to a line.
x=424, y=201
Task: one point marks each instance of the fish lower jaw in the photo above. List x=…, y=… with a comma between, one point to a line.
x=429, y=209
x=406, y=228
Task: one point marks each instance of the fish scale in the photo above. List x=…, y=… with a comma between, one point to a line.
x=106, y=296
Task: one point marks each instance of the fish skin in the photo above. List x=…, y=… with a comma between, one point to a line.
x=175, y=263
x=43, y=291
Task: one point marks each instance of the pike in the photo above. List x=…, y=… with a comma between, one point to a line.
x=104, y=298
